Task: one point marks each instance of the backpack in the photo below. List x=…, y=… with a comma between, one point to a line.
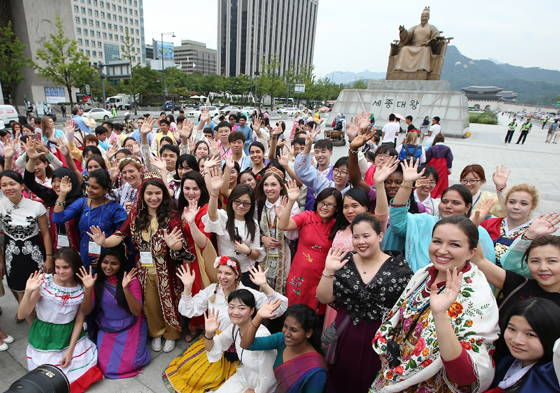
x=338, y=125
x=410, y=151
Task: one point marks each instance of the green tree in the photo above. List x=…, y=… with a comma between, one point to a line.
x=12, y=60
x=129, y=53
x=63, y=65
x=147, y=84
x=359, y=84
x=270, y=81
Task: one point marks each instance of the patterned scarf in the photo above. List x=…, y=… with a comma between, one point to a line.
x=276, y=276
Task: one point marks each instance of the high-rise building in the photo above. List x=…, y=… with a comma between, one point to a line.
x=250, y=30
x=195, y=56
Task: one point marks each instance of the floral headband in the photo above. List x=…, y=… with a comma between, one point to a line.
x=275, y=171
x=225, y=261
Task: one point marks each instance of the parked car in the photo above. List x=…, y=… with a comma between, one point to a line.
x=168, y=105
x=232, y=109
x=290, y=110
x=98, y=114
x=249, y=110
x=196, y=112
x=8, y=115
x=2, y=125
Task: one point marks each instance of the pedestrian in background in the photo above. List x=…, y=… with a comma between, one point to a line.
x=511, y=130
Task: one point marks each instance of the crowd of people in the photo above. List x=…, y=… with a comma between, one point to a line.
x=285, y=271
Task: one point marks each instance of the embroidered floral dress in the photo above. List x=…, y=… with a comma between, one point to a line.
x=24, y=251
x=474, y=315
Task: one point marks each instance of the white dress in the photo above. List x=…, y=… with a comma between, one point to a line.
x=194, y=306
x=257, y=367
x=226, y=244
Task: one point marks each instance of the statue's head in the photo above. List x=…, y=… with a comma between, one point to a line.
x=425, y=16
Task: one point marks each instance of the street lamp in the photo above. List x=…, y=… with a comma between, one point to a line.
x=162, y=65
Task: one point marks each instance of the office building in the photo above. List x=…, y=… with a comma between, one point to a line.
x=195, y=56
x=250, y=30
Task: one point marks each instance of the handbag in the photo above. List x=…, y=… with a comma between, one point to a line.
x=330, y=337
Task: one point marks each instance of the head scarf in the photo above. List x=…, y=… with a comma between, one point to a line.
x=49, y=196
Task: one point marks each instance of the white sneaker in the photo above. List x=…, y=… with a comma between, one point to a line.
x=156, y=344
x=169, y=345
x=9, y=339
x=4, y=347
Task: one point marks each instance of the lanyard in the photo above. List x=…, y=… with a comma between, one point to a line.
x=242, y=350
x=270, y=225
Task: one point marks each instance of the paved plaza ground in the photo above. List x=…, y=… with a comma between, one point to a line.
x=536, y=162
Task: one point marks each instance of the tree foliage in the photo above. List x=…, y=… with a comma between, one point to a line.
x=12, y=60
x=129, y=53
x=64, y=65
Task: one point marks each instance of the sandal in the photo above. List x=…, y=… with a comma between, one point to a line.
x=191, y=336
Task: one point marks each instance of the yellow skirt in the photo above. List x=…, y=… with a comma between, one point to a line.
x=193, y=373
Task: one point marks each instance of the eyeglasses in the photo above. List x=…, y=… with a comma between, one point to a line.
x=385, y=156
x=339, y=172
x=430, y=183
x=329, y=206
x=245, y=204
x=471, y=182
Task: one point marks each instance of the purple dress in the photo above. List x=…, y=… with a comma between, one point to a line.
x=123, y=337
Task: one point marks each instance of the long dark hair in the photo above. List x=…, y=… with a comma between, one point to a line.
x=119, y=253
x=259, y=191
x=307, y=318
x=465, y=194
x=163, y=212
x=204, y=195
x=327, y=192
x=72, y=257
x=359, y=195
x=239, y=190
x=191, y=161
x=465, y=225
x=546, y=240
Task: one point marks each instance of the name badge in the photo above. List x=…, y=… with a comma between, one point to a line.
x=62, y=241
x=146, y=259
x=273, y=252
x=242, y=379
x=94, y=249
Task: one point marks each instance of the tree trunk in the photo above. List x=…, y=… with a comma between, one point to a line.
x=134, y=102
x=69, y=89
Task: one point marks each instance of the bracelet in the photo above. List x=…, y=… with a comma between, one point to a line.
x=352, y=151
x=212, y=195
x=59, y=203
x=49, y=255
x=527, y=237
x=501, y=189
x=250, y=252
x=209, y=339
x=327, y=275
x=256, y=327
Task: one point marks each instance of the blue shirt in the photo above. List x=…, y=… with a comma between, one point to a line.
x=81, y=124
x=248, y=132
x=136, y=136
x=212, y=125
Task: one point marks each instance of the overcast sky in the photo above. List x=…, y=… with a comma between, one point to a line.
x=354, y=35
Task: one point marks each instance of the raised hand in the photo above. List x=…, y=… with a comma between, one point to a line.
x=544, y=225
x=482, y=211
x=128, y=277
x=229, y=162
x=363, y=136
x=214, y=148
x=88, y=279
x=257, y=276
x=216, y=179
x=382, y=173
x=311, y=136
x=363, y=121
x=114, y=170
x=204, y=115
x=30, y=149
x=267, y=310
x=192, y=144
x=186, y=276
x=112, y=151
x=500, y=176
x=9, y=150
x=97, y=235
x=293, y=190
x=410, y=171
x=352, y=128
x=158, y=163
x=283, y=159
x=62, y=146
x=148, y=125
x=440, y=303
x=65, y=185
x=69, y=125
x=257, y=125
x=190, y=212
x=211, y=323
x=187, y=129
x=279, y=209
x=173, y=237
x=34, y=281
x=334, y=261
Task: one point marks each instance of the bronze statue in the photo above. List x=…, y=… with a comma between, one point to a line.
x=420, y=53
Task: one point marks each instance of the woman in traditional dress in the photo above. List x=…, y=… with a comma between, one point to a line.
x=131, y=172
x=521, y=200
x=57, y=335
x=95, y=210
x=364, y=285
x=193, y=205
x=439, y=335
x=314, y=229
x=155, y=228
x=115, y=297
x=23, y=221
x=473, y=177
x=191, y=372
x=299, y=366
x=440, y=157
x=62, y=235
x=255, y=371
x=529, y=332
x=271, y=201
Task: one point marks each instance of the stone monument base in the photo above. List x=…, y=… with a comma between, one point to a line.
x=407, y=97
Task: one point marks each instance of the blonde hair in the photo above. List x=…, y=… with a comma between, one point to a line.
x=236, y=270
x=132, y=161
x=531, y=190
x=412, y=138
x=45, y=126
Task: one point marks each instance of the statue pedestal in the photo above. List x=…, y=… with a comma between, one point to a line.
x=418, y=98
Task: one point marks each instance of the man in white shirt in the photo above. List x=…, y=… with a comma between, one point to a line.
x=390, y=130
x=434, y=130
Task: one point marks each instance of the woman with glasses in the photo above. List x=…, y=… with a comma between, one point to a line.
x=314, y=243
x=473, y=177
x=237, y=231
x=423, y=192
x=440, y=157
